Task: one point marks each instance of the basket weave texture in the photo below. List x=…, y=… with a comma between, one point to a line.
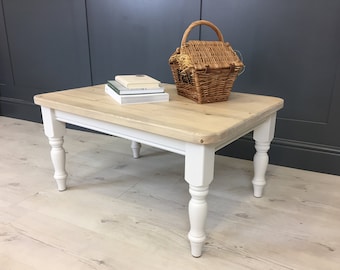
x=205, y=71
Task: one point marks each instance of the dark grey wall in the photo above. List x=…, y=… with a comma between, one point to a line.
x=45, y=47
x=136, y=36
x=290, y=48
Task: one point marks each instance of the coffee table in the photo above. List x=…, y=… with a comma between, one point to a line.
x=181, y=126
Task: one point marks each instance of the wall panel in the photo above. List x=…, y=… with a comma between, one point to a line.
x=291, y=50
x=128, y=37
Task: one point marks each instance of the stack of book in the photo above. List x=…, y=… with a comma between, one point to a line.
x=132, y=89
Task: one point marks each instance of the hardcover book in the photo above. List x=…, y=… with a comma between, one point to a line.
x=137, y=98
x=121, y=90
x=137, y=81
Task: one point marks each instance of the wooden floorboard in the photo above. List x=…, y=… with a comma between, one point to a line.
x=125, y=213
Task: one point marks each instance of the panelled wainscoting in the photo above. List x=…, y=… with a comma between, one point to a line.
x=52, y=45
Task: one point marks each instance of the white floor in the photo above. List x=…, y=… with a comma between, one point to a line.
x=123, y=213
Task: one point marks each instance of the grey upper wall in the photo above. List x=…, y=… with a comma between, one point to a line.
x=290, y=48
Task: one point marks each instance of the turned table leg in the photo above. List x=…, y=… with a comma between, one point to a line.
x=263, y=135
x=55, y=131
x=199, y=173
x=135, y=146
x=58, y=161
x=198, y=209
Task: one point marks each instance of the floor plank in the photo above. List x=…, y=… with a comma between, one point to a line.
x=125, y=213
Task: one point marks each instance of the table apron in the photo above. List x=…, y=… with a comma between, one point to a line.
x=158, y=141
x=162, y=142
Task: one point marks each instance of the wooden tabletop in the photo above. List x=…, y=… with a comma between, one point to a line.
x=180, y=118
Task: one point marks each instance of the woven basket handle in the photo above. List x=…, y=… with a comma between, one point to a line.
x=201, y=22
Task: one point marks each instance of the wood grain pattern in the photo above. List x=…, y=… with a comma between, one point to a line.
x=126, y=213
x=180, y=118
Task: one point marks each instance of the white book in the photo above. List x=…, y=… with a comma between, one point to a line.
x=122, y=90
x=138, y=98
x=137, y=81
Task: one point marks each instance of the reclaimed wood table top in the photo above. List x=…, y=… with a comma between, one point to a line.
x=180, y=118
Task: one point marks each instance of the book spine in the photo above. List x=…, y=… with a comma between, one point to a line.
x=112, y=93
x=113, y=87
x=134, y=99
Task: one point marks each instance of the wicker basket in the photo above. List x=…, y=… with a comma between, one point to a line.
x=205, y=71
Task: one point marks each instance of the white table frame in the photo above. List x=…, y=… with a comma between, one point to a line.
x=199, y=159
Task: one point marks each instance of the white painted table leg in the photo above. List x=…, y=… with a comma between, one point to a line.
x=55, y=131
x=135, y=146
x=199, y=172
x=198, y=209
x=58, y=160
x=260, y=167
x=263, y=135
